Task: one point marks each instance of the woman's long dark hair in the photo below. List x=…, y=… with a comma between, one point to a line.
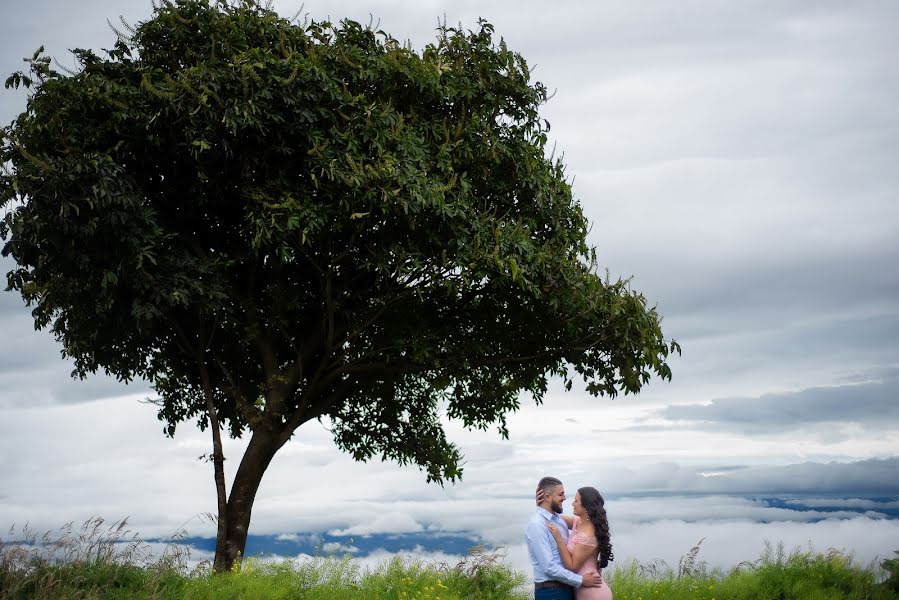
x=595, y=507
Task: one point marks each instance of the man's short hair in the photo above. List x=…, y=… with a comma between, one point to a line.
x=547, y=484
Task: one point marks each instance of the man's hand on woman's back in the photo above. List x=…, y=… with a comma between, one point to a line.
x=591, y=580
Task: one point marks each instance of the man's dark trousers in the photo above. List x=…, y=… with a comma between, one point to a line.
x=565, y=593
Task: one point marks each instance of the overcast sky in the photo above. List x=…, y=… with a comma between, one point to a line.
x=739, y=160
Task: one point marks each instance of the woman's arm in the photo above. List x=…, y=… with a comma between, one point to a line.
x=571, y=561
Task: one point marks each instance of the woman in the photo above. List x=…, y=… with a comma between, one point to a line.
x=589, y=547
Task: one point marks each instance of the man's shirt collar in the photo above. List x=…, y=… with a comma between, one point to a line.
x=545, y=513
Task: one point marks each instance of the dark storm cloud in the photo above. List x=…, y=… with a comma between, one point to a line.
x=872, y=405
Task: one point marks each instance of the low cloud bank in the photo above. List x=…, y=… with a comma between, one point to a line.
x=871, y=404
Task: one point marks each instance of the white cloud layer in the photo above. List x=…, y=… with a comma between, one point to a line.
x=311, y=488
x=726, y=544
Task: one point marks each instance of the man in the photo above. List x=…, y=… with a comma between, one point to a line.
x=552, y=581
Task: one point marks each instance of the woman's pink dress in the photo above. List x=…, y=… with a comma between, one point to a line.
x=603, y=592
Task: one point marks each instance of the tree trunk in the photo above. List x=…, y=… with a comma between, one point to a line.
x=218, y=462
x=262, y=448
x=218, y=459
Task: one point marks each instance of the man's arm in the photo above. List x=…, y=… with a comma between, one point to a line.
x=541, y=542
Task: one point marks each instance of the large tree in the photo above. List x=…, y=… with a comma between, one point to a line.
x=275, y=222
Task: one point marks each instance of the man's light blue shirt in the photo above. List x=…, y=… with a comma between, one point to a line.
x=543, y=550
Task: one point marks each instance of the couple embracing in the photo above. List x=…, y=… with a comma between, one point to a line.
x=569, y=553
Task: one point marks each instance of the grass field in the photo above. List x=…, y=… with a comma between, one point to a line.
x=100, y=562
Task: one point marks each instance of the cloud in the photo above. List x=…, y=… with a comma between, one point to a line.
x=729, y=543
x=873, y=476
x=128, y=468
x=725, y=544
x=338, y=548
x=864, y=503
x=872, y=405
x=381, y=523
x=32, y=372
x=712, y=509
x=294, y=537
x=381, y=558
x=109, y=458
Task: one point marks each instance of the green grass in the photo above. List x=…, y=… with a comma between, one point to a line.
x=98, y=563
x=333, y=579
x=776, y=575
x=315, y=579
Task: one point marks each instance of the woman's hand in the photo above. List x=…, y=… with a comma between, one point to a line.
x=541, y=496
x=554, y=532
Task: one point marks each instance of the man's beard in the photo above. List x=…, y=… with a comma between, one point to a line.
x=556, y=507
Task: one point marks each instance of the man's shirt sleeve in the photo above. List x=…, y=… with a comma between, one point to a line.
x=547, y=554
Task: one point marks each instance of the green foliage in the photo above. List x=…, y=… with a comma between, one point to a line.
x=891, y=566
x=312, y=221
x=776, y=575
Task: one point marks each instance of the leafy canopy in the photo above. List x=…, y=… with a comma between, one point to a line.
x=325, y=222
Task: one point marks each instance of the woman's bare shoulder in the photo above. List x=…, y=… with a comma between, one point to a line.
x=585, y=526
